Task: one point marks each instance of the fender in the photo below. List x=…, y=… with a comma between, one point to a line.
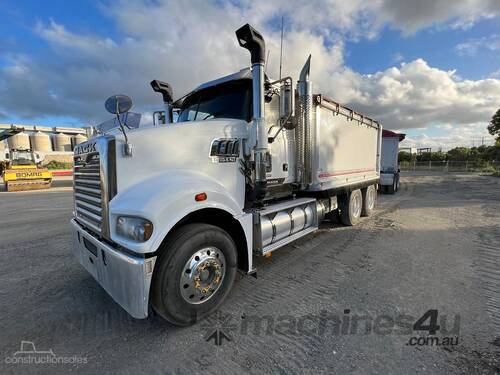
x=165, y=199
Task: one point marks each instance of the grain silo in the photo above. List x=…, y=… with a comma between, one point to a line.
x=62, y=142
x=41, y=142
x=19, y=141
x=79, y=138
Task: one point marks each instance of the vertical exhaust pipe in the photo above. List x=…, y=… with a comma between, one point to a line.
x=252, y=40
x=304, y=128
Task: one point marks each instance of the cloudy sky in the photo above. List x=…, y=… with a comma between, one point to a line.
x=429, y=68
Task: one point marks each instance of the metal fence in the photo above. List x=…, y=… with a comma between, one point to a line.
x=450, y=166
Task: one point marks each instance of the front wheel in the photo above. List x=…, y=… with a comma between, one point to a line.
x=194, y=273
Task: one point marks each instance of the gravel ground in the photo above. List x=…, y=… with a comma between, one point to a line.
x=432, y=246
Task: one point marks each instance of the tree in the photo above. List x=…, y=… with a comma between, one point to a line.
x=404, y=156
x=494, y=126
x=459, y=153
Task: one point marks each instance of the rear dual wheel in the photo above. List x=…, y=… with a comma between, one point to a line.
x=369, y=200
x=391, y=189
x=356, y=204
x=350, y=207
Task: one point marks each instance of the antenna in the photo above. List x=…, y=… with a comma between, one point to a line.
x=267, y=60
x=281, y=45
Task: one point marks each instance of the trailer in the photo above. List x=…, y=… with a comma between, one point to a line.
x=237, y=168
x=389, y=173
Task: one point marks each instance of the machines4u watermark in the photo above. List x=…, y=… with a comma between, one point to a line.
x=28, y=354
x=430, y=328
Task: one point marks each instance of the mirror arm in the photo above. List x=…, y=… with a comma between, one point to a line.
x=127, y=147
x=271, y=139
x=283, y=122
x=281, y=80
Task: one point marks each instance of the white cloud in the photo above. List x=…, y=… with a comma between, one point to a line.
x=397, y=58
x=473, y=135
x=416, y=94
x=495, y=74
x=186, y=43
x=472, y=46
x=410, y=16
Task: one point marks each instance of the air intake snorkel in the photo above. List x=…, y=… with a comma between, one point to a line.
x=167, y=93
x=252, y=40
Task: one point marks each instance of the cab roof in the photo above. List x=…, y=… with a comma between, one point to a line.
x=390, y=134
x=245, y=73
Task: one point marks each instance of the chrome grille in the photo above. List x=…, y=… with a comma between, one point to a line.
x=94, y=183
x=88, y=191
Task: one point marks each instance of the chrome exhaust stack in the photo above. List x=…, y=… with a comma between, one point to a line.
x=253, y=41
x=304, y=126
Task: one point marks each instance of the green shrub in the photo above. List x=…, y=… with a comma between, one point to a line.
x=53, y=164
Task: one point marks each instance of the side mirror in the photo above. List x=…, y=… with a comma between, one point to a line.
x=117, y=104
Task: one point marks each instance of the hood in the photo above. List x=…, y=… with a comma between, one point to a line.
x=183, y=145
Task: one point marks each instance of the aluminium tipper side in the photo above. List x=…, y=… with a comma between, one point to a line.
x=346, y=146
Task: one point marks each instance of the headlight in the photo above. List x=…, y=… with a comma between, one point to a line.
x=134, y=228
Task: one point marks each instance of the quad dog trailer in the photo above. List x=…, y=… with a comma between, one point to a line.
x=389, y=167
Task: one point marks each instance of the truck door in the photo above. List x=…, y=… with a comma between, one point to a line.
x=278, y=164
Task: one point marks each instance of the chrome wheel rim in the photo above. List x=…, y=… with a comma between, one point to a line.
x=356, y=205
x=202, y=275
x=370, y=196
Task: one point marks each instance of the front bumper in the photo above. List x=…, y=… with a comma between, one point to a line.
x=126, y=278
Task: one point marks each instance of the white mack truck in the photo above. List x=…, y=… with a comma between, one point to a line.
x=248, y=165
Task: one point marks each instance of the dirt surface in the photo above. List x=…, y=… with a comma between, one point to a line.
x=432, y=246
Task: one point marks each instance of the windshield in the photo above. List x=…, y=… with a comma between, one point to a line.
x=229, y=100
x=22, y=158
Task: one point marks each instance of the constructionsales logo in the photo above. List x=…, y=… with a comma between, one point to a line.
x=29, y=355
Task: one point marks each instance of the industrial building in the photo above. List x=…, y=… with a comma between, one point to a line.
x=44, y=139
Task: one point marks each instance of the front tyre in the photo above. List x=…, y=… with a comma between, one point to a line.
x=194, y=273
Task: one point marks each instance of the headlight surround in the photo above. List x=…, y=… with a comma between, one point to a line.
x=134, y=228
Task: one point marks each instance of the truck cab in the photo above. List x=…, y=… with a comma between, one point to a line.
x=166, y=214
